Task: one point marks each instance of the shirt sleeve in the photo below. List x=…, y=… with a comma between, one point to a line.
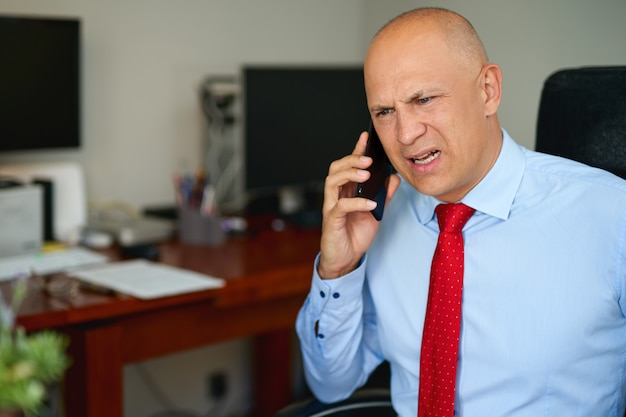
x=337, y=331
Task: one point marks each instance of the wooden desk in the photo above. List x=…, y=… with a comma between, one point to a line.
x=268, y=276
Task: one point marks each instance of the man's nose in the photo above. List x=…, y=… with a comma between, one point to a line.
x=409, y=128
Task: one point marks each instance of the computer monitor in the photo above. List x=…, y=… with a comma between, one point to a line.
x=39, y=83
x=297, y=120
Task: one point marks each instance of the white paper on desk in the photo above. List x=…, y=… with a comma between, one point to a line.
x=144, y=279
x=48, y=262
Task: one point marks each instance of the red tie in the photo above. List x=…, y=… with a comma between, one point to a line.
x=440, y=340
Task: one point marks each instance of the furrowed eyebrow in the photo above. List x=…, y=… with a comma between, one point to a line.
x=416, y=96
x=378, y=108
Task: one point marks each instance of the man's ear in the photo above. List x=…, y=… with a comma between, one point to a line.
x=491, y=83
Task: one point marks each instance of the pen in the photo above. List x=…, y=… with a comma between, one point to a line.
x=199, y=183
x=207, y=206
x=195, y=191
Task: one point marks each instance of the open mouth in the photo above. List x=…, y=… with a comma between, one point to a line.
x=426, y=158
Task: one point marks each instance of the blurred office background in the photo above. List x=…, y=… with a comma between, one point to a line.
x=143, y=62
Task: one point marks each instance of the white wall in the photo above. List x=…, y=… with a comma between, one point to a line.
x=144, y=60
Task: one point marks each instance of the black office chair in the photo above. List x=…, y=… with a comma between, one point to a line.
x=582, y=116
x=369, y=402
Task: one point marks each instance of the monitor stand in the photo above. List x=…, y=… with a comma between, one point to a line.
x=293, y=206
x=291, y=200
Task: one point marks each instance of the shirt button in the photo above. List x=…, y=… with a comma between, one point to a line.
x=336, y=295
x=321, y=336
x=322, y=294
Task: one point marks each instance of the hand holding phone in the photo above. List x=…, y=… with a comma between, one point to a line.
x=375, y=188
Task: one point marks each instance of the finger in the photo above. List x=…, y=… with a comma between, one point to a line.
x=342, y=184
x=344, y=173
x=355, y=159
x=348, y=205
x=361, y=144
x=348, y=162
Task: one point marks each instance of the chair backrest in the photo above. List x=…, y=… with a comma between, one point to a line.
x=364, y=403
x=582, y=116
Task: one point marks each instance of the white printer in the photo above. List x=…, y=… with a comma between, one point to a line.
x=21, y=219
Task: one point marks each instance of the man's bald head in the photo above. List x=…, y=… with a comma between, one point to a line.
x=457, y=32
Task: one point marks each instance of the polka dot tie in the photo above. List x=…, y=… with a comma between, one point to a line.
x=440, y=340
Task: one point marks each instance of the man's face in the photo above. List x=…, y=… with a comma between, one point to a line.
x=430, y=113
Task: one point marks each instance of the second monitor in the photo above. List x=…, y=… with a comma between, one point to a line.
x=296, y=121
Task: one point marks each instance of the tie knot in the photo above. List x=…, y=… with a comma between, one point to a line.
x=452, y=217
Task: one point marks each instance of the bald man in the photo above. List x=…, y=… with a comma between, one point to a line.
x=543, y=329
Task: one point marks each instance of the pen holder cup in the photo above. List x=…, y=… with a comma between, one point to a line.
x=196, y=228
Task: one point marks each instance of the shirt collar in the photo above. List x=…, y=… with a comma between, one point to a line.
x=495, y=193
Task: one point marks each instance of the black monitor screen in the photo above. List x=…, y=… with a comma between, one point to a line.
x=298, y=120
x=39, y=83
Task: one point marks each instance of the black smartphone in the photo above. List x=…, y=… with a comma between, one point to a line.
x=375, y=188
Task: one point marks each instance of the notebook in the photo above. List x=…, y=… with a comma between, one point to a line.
x=146, y=279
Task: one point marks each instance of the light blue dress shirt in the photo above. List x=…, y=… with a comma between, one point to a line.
x=543, y=326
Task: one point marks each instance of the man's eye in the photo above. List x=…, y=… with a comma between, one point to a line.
x=424, y=100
